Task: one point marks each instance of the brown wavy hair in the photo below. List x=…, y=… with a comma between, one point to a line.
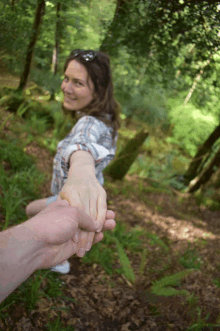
x=103, y=106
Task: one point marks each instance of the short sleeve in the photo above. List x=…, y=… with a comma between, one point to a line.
x=87, y=135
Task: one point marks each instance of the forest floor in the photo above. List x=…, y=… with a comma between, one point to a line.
x=94, y=300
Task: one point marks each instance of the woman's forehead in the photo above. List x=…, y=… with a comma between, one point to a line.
x=76, y=70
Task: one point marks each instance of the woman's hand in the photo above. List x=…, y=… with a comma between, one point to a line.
x=85, y=193
x=82, y=190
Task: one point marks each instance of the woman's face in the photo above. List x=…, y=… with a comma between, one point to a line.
x=77, y=88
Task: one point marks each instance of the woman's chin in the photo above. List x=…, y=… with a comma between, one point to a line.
x=68, y=107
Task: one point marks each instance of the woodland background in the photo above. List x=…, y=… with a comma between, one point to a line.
x=164, y=183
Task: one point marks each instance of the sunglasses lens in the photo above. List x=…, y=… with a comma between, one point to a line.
x=89, y=56
x=86, y=55
x=76, y=52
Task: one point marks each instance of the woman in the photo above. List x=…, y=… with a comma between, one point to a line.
x=91, y=144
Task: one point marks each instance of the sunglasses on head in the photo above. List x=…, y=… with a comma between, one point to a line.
x=86, y=55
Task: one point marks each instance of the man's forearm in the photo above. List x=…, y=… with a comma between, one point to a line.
x=18, y=249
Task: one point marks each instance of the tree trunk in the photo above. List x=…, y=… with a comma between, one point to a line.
x=36, y=27
x=12, y=4
x=193, y=87
x=111, y=35
x=56, y=47
x=201, y=153
x=205, y=174
x=197, y=79
x=57, y=40
x=120, y=166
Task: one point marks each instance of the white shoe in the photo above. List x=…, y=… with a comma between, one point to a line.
x=63, y=268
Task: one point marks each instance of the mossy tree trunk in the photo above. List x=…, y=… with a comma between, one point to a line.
x=120, y=166
x=195, y=165
x=115, y=26
x=205, y=174
x=30, y=50
x=57, y=46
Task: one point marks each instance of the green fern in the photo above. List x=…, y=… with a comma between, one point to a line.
x=125, y=263
x=155, y=240
x=163, y=286
x=143, y=262
x=169, y=291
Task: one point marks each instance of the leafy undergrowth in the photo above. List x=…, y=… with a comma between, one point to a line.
x=158, y=270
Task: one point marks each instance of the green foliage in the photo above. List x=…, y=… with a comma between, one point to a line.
x=129, y=240
x=190, y=126
x=62, y=124
x=53, y=286
x=200, y=324
x=19, y=184
x=192, y=300
x=12, y=101
x=47, y=80
x=105, y=254
x=57, y=325
x=143, y=262
x=146, y=104
x=11, y=199
x=13, y=154
x=208, y=198
x=101, y=255
x=217, y=282
x=16, y=23
x=190, y=259
x=36, y=111
x=125, y=263
x=161, y=162
x=30, y=290
x=163, y=286
x=155, y=240
x=8, y=302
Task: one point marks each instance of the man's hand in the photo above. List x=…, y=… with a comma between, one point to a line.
x=55, y=228
x=42, y=242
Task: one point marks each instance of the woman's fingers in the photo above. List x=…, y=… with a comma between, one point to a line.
x=98, y=237
x=109, y=225
x=93, y=207
x=90, y=239
x=64, y=196
x=110, y=214
x=84, y=243
x=101, y=209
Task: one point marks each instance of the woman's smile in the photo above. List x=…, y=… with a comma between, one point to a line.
x=69, y=98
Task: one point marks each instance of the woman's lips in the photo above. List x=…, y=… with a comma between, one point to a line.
x=70, y=99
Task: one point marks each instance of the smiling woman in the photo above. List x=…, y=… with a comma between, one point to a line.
x=89, y=147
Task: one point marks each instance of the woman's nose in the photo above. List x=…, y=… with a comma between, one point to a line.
x=68, y=87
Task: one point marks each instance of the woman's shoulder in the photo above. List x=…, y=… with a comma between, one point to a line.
x=93, y=121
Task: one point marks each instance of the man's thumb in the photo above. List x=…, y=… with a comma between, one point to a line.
x=85, y=222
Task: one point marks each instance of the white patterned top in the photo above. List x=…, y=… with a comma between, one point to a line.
x=89, y=134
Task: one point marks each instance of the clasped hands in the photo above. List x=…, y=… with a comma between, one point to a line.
x=86, y=193
x=55, y=227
